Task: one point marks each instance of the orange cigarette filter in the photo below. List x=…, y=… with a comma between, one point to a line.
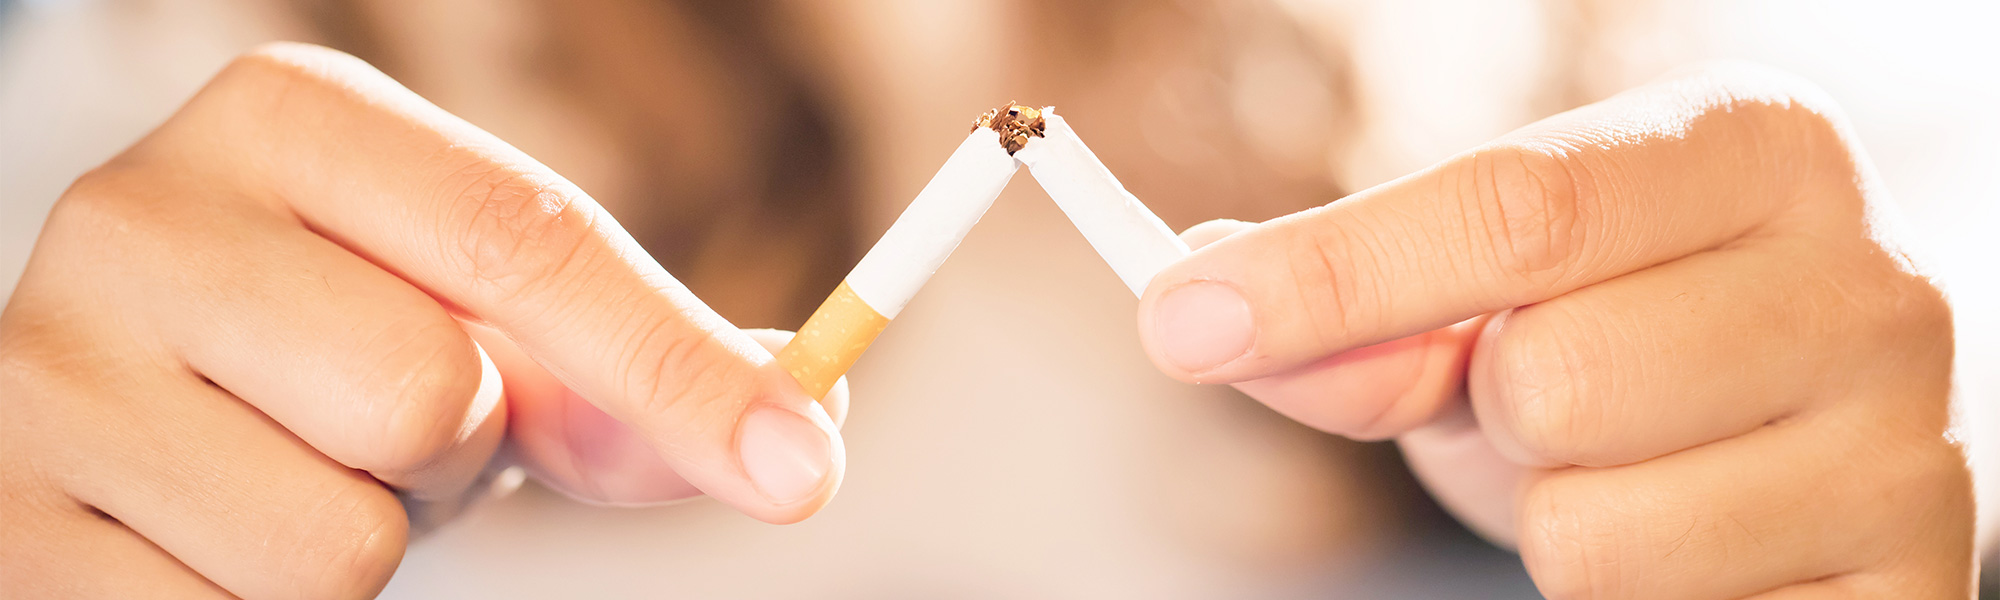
x=831, y=340
x=914, y=247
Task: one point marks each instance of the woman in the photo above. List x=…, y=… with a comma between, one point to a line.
x=288, y=276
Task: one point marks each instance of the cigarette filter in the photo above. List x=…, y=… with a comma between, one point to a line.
x=907, y=255
x=1129, y=237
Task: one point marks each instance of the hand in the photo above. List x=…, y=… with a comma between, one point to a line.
x=239, y=342
x=1663, y=343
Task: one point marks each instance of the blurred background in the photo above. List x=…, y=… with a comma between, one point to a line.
x=1008, y=438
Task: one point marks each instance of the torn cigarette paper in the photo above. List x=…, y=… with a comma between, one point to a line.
x=1128, y=235
x=899, y=264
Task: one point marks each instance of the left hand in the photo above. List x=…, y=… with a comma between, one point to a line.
x=1662, y=344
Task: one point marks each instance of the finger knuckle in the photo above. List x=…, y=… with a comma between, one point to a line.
x=31, y=349
x=1324, y=267
x=1754, y=92
x=1906, y=321
x=1942, y=467
x=1548, y=364
x=106, y=200
x=1917, y=313
x=1926, y=485
x=50, y=368
x=671, y=372
x=1530, y=201
x=522, y=229
x=351, y=545
x=285, y=64
x=1782, y=124
x=102, y=184
x=1571, y=544
x=138, y=209
x=429, y=376
x=278, y=82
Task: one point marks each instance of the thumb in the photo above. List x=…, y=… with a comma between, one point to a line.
x=499, y=238
x=574, y=448
x=1411, y=389
x=1373, y=392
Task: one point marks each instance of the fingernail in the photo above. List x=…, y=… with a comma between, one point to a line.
x=785, y=455
x=1203, y=324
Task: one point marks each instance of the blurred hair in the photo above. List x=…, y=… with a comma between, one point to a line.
x=735, y=184
x=1208, y=108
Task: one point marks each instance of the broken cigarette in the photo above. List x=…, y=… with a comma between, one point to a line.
x=1129, y=237
x=899, y=264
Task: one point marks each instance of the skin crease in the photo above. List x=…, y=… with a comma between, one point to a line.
x=1607, y=265
x=332, y=360
x=1494, y=471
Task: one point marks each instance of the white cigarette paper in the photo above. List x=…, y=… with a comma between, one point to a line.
x=899, y=264
x=933, y=225
x=1129, y=237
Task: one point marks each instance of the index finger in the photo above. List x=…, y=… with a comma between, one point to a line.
x=1651, y=175
x=497, y=236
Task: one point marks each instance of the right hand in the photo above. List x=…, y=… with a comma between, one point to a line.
x=239, y=342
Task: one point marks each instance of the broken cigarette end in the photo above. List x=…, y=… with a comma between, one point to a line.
x=1015, y=124
x=906, y=256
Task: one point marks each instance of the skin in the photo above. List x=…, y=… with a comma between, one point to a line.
x=1582, y=370
x=1664, y=345
x=242, y=359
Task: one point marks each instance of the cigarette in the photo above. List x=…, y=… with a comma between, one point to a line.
x=1135, y=242
x=899, y=264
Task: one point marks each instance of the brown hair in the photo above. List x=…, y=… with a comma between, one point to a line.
x=732, y=180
